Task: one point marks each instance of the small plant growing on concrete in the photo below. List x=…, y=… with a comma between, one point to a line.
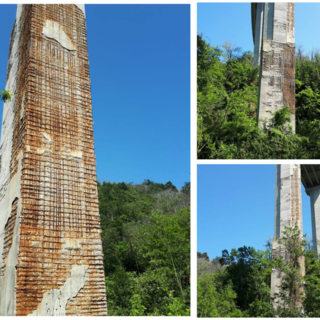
x=5, y=95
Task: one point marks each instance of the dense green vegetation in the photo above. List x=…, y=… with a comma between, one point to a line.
x=237, y=284
x=146, y=244
x=227, y=101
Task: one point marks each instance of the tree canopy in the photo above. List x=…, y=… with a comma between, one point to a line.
x=146, y=244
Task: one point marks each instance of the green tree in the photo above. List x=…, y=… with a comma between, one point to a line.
x=291, y=294
x=311, y=303
x=216, y=299
x=164, y=246
x=249, y=271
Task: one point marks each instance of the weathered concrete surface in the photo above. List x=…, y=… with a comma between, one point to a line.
x=50, y=235
x=277, y=80
x=288, y=213
x=288, y=208
x=275, y=53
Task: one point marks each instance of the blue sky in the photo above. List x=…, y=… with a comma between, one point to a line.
x=140, y=79
x=220, y=22
x=236, y=207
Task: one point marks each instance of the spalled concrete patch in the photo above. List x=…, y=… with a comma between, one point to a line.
x=9, y=262
x=54, y=30
x=54, y=302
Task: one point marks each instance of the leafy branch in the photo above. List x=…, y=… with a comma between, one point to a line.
x=5, y=95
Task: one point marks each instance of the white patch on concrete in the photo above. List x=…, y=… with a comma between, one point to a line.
x=47, y=136
x=40, y=151
x=71, y=244
x=36, y=244
x=82, y=8
x=54, y=301
x=22, y=108
x=54, y=30
x=76, y=154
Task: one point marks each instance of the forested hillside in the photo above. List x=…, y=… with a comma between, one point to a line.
x=146, y=244
x=237, y=284
x=227, y=102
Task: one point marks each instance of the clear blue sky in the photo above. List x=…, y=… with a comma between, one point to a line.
x=236, y=207
x=220, y=22
x=140, y=79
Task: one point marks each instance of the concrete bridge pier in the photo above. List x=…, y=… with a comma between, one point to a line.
x=274, y=52
x=51, y=255
x=310, y=176
x=314, y=194
x=288, y=213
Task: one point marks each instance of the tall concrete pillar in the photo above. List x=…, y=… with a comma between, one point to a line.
x=288, y=213
x=51, y=258
x=274, y=52
x=314, y=194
